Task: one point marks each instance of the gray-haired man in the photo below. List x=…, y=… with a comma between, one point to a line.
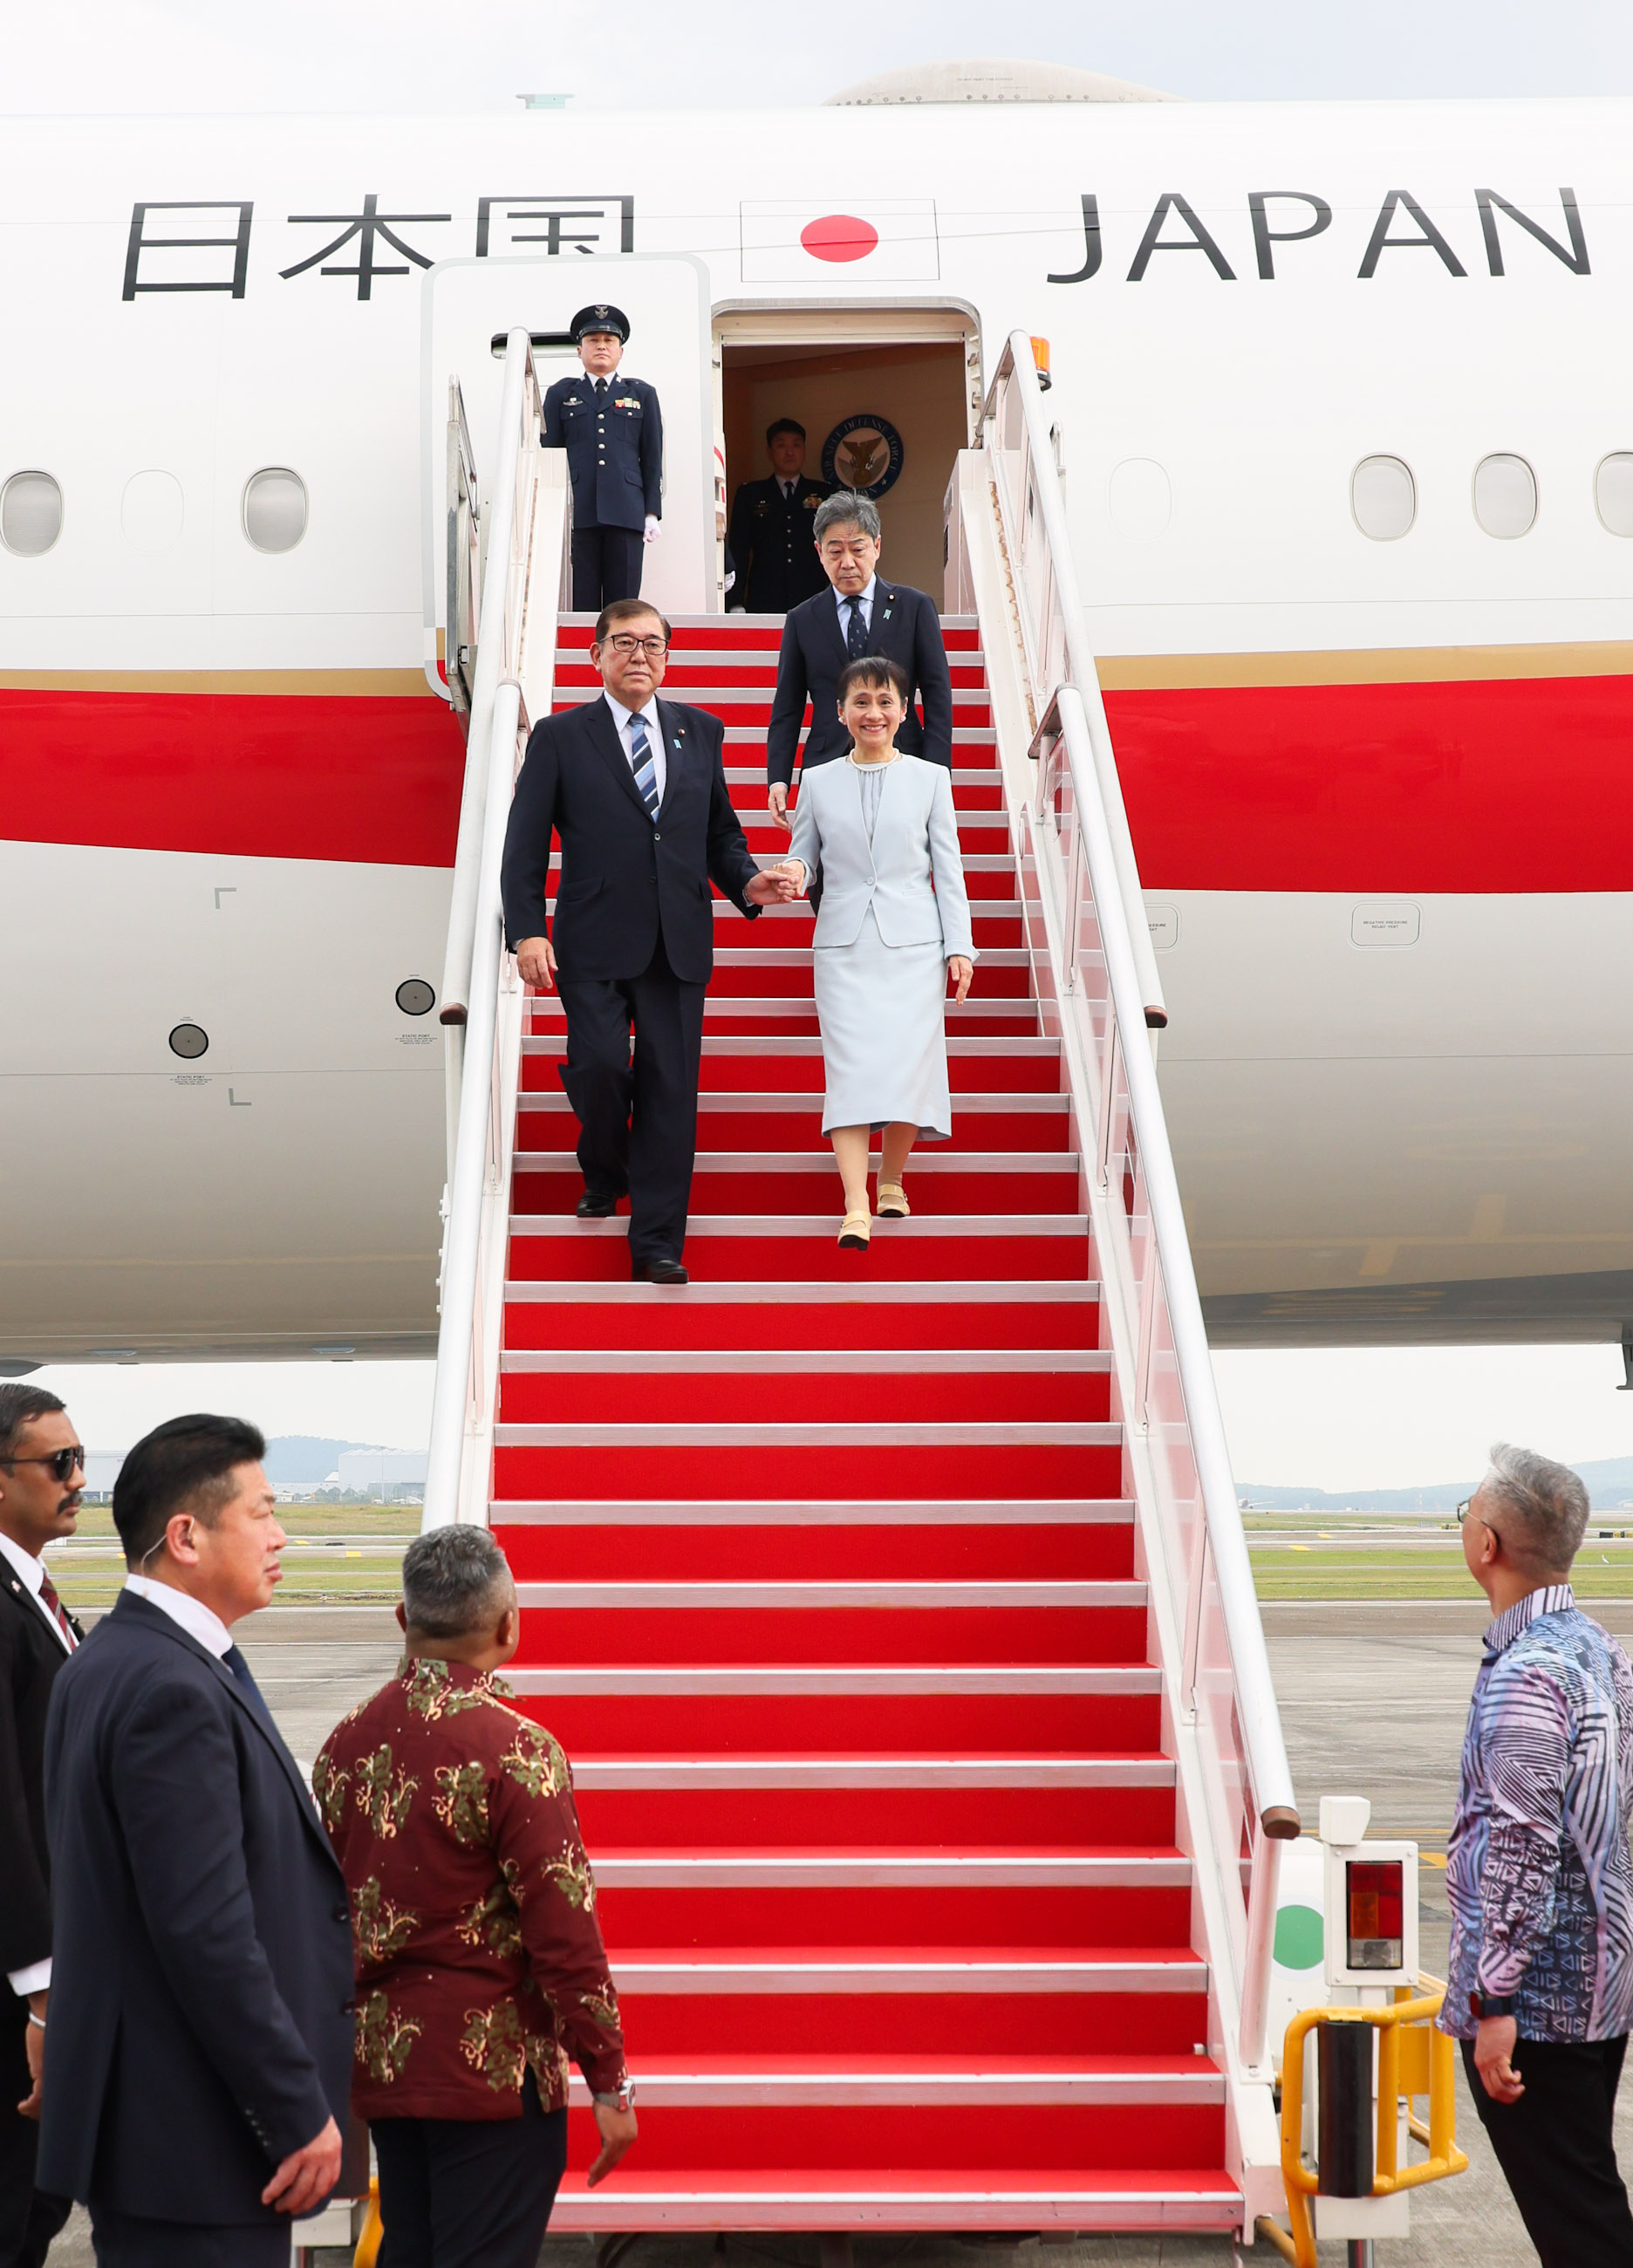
x=479, y=1966
x=860, y=613
x=1539, y=1873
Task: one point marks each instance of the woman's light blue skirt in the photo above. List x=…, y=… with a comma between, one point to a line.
x=883, y=1013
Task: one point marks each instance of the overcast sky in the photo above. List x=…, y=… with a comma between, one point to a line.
x=1330, y=1420
x=412, y=55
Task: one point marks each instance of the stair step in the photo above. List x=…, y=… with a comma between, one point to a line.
x=831, y=1868
x=948, y=2199
x=741, y=1770
x=881, y=2080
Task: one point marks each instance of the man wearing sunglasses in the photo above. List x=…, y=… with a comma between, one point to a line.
x=635, y=788
x=41, y=1474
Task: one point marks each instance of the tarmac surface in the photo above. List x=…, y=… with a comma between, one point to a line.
x=1374, y=1700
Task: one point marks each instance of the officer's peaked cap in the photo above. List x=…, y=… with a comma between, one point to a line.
x=601, y=318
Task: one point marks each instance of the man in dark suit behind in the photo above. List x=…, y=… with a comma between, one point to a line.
x=860, y=613
x=635, y=788
x=771, y=541
x=198, y=2055
x=41, y=1474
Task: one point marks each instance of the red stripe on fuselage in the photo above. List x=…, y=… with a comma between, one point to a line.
x=369, y=780
x=1482, y=785
x=1486, y=787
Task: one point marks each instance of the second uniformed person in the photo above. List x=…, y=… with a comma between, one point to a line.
x=771, y=544
x=613, y=432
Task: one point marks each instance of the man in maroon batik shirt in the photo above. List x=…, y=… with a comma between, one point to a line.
x=479, y=1959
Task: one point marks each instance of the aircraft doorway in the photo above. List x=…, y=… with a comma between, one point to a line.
x=888, y=394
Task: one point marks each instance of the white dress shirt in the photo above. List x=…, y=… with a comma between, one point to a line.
x=198, y=1620
x=624, y=718
x=866, y=597
x=28, y=1570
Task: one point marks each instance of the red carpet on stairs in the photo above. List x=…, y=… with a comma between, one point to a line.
x=828, y=1591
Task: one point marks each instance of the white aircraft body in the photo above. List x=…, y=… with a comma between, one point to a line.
x=1343, y=415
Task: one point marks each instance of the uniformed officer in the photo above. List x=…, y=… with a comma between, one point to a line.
x=772, y=542
x=613, y=432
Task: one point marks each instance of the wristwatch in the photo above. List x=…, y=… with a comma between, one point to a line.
x=623, y=2100
x=1482, y=2004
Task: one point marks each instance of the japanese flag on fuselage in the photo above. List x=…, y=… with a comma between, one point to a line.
x=893, y=239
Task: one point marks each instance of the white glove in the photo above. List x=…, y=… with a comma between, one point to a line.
x=648, y=534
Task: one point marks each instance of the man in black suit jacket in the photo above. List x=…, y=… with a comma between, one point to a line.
x=41, y=1474
x=198, y=2057
x=773, y=549
x=635, y=788
x=860, y=613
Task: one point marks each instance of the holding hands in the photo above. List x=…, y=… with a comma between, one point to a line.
x=777, y=885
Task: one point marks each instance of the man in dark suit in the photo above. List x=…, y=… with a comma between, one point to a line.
x=772, y=546
x=613, y=432
x=859, y=614
x=41, y=1474
x=635, y=788
x=198, y=2056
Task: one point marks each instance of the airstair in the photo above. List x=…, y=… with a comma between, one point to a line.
x=895, y=1611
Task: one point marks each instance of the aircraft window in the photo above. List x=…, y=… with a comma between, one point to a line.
x=1612, y=493
x=1383, y=496
x=31, y=513
x=1505, y=497
x=275, y=508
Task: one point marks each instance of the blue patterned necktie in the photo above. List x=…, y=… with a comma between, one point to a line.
x=644, y=765
x=235, y=1662
x=856, y=632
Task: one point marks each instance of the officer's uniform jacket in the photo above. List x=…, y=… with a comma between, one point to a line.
x=772, y=546
x=615, y=448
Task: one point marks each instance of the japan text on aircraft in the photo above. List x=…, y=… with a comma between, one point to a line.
x=184, y=246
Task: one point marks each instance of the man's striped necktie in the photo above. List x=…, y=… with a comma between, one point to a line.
x=644, y=765
x=53, y=1606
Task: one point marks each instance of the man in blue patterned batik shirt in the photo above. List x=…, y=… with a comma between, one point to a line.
x=1538, y=1872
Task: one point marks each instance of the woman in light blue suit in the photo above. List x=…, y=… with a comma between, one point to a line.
x=878, y=830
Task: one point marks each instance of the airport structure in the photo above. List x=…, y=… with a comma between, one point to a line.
x=1273, y=470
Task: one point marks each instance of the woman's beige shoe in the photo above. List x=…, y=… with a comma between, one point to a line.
x=854, y=1231
x=892, y=1202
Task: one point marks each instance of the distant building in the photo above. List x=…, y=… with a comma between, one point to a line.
x=390, y=1475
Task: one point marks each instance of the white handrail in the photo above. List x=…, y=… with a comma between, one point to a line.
x=495, y=659
x=457, y=1347
x=1257, y=1713
x=1019, y=367
x=1255, y=1689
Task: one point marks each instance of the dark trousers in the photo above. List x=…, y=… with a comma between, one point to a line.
x=1556, y=2151
x=606, y=565
x=638, y=1123
x=469, y=2193
x=127, y=2240
x=28, y=2219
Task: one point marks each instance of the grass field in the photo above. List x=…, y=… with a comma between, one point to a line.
x=349, y=1555
x=1294, y=1559
x=334, y=1558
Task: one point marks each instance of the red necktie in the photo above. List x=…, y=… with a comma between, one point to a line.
x=53, y=1606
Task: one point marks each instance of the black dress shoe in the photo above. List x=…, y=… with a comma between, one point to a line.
x=657, y=1271
x=592, y=1207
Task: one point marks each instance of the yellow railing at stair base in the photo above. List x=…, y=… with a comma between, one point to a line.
x=373, y=2229
x=1414, y=2058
